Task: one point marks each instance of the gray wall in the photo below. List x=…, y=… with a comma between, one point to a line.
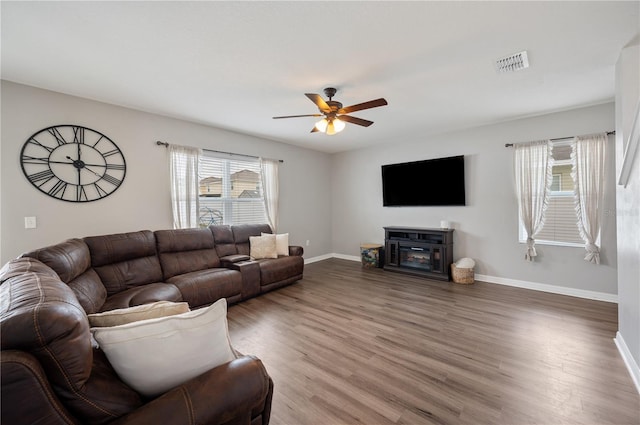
x=628, y=206
x=143, y=200
x=486, y=229
x=335, y=202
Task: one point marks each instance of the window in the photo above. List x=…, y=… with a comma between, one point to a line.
x=230, y=191
x=561, y=221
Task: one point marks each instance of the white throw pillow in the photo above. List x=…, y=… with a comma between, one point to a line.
x=155, y=355
x=282, y=243
x=123, y=316
x=263, y=246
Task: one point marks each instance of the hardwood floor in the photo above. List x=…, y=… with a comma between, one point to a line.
x=348, y=345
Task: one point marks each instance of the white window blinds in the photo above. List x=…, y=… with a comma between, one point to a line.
x=560, y=223
x=230, y=191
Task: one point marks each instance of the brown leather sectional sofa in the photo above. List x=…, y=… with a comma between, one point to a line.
x=52, y=375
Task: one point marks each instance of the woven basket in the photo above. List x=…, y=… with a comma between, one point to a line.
x=463, y=276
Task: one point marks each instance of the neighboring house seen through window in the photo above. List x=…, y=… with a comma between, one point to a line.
x=230, y=191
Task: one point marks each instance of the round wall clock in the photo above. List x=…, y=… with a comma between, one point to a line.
x=73, y=163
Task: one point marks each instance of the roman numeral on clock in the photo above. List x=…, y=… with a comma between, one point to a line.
x=34, y=160
x=81, y=194
x=37, y=143
x=111, y=152
x=100, y=190
x=59, y=188
x=115, y=167
x=42, y=176
x=114, y=181
x=56, y=133
x=78, y=135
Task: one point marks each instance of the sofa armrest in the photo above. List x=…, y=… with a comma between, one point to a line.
x=296, y=250
x=27, y=397
x=250, y=271
x=236, y=392
x=232, y=259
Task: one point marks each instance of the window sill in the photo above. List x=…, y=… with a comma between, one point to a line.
x=555, y=243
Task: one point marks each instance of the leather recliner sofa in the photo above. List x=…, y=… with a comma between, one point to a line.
x=50, y=372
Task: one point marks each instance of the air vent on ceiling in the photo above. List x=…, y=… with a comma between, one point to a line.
x=513, y=62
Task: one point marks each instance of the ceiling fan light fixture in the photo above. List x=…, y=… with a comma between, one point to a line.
x=330, y=126
x=322, y=125
x=331, y=130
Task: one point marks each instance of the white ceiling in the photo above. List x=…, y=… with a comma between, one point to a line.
x=234, y=65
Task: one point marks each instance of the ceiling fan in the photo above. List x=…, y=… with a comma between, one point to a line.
x=334, y=114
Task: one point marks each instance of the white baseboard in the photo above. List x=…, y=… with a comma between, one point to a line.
x=318, y=258
x=629, y=361
x=543, y=287
x=332, y=255
x=347, y=257
x=561, y=290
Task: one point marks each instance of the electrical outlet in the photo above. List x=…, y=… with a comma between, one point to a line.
x=30, y=223
x=307, y=242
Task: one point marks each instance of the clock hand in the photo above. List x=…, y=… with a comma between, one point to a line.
x=73, y=160
x=79, y=164
x=91, y=171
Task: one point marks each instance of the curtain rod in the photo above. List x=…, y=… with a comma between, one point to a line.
x=166, y=145
x=509, y=145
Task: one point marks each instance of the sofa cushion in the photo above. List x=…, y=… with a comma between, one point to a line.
x=242, y=232
x=125, y=260
x=71, y=260
x=263, y=246
x=143, y=294
x=223, y=239
x=89, y=290
x=280, y=269
x=204, y=287
x=122, y=316
x=191, y=343
x=186, y=250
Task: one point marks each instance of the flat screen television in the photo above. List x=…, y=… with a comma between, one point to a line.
x=431, y=182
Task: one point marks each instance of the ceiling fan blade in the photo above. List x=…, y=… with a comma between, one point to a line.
x=360, y=106
x=314, y=130
x=298, y=116
x=354, y=120
x=319, y=101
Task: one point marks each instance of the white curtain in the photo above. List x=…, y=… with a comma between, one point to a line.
x=533, y=162
x=183, y=171
x=270, y=190
x=588, y=157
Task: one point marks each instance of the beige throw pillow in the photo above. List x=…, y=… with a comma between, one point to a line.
x=122, y=316
x=155, y=355
x=282, y=243
x=263, y=246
